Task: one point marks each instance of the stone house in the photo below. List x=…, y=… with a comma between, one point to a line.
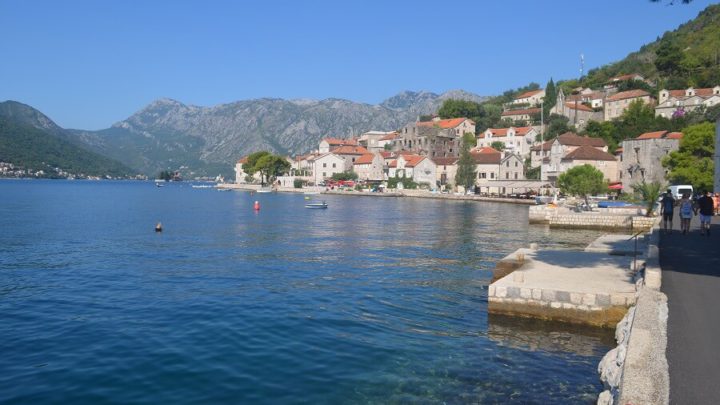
x=328, y=144
x=613, y=82
x=327, y=164
x=487, y=165
x=526, y=115
x=446, y=169
x=539, y=152
x=641, y=158
x=372, y=140
x=370, y=166
x=516, y=140
x=562, y=146
x=575, y=110
x=511, y=167
x=616, y=104
x=349, y=153
x=437, y=138
x=595, y=157
x=240, y=174
x=419, y=168
x=531, y=98
x=386, y=142
x=672, y=102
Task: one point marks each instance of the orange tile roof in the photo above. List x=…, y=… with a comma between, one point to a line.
x=340, y=142
x=579, y=107
x=704, y=92
x=676, y=93
x=445, y=161
x=412, y=160
x=386, y=155
x=389, y=137
x=674, y=135
x=243, y=160
x=586, y=152
x=444, y=124
x=544, y=146
x=528, y=111
x=652, y=135
x=365, y=159
x=484, y=150
x=349, y=150
x=628, y=94
x=487, y=158
x=528, y=94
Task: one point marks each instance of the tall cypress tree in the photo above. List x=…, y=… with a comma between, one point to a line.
x=550, y=97
x=465, y=175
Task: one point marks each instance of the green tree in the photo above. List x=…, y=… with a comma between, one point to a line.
x=669, y=57
x=550, y=97
x=637, y=119
x=606, y=130
x=693, y=162
x=498, y=146
x=166, y=175
x=582, y=181
x=452, y=108
x=271, y=166
x=465, y=175
x=469, y=138
x=557, y=125
x=251, y=166
x=649, y=192
x=344, y=176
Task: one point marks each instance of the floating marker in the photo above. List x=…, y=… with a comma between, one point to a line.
x=158, y=227
x=257, y=206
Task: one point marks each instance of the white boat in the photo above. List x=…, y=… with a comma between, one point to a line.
x=265, y=190
x=316, y=205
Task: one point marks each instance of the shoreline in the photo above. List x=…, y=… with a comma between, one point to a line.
x=403, y=193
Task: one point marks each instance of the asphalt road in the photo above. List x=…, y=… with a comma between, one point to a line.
x=691, y=279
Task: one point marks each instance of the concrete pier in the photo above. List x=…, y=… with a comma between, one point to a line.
x=593, y=287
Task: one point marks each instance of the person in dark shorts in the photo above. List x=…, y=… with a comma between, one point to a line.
x=686, y=213
x=706, y=207
x=667, y=205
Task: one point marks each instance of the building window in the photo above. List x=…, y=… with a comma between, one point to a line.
x=334, y=165
x=515, y=175
x=516, y=164
x=507, y=176
x=324, y=174
x=324, y=164
x=492, y=175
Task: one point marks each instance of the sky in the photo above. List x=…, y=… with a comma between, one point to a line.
x=89, y=64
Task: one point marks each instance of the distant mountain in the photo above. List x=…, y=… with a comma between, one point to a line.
x=168, y=134
x=32, y=141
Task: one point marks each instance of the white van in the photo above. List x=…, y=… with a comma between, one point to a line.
x=678, y=191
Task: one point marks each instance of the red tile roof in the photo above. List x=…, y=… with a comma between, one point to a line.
x=528, y=94
x=444, y=124
x=579, y=107
x=413, y=160
x=340, y=142
x=545, y=146
x=365, y=159
x=588, y=153
x=528, y=111
x=660, y=135
x=628, y=94
x=676, y=93
x=243, y=160
x=484, y=150
x=349, y=150
x=445, y=161
x=623, y=77
x=519, y=131
x=571, y=139
x=386, y=155
x=674, y=135
x=487, y=158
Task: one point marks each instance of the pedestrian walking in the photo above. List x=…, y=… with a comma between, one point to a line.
x=705, y=206
x=667, y=205
x=686, y=213
x=716, y=200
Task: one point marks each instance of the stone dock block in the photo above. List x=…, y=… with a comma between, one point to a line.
x=602, y=300
x=616, y=299
x=555, y=305
x=501, y=292
x=491, y=291
x=588, y=299
x=576, y=298
x=513, y=292
x=526, y=293
x=562, y=296
x=536, y=294
x=548, y=295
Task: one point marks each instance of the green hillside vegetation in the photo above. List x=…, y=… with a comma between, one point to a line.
x=33, y=149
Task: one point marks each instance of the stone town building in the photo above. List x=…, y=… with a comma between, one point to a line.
x=641, y=158
x=491, y=165
x=386, y=142
x=372, y=140
x=563, y=145
x=573, y=108
x=613, y=82
x=539, y=152
x=446, y=169
x=516, y=140
x=526, y=115
x=678, y=102
x=591, y=98
x=437, y=138
x=370, y=167
x=419, y=168
x=241, y=175
x=588, y=155
x=530, y=98
x=327, y=164
x=349, y=154
x=616, y=104
x=328, y=144
x=512, y=167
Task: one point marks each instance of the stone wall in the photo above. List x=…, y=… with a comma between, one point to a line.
x=600, y=218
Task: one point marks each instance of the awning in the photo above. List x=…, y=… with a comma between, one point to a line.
x=616, y=186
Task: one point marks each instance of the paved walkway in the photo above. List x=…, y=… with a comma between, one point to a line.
x=691, y=279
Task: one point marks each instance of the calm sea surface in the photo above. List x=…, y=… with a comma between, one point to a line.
x=374, y=300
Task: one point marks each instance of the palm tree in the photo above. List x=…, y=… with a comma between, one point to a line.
x=650, y=192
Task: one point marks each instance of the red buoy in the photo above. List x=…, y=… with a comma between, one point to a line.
x=257, y=206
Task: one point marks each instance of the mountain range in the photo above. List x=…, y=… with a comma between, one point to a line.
x=201, y=141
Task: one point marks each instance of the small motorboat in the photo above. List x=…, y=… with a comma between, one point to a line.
x=316, y=205
x=265, y=190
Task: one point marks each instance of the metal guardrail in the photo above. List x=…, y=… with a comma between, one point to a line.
x=635, y=250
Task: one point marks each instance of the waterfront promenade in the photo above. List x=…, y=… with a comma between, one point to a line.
x=691, y=279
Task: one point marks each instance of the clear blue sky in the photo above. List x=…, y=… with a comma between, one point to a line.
x=88, y=64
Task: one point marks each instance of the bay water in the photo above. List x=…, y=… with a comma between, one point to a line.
x=371, y=301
